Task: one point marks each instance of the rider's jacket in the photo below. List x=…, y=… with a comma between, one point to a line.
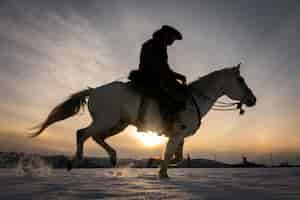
x=154, y=61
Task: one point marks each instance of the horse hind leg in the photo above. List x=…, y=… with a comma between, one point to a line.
x=111, y=152
x=81, y=136
x=100, y=140
x=84, y=134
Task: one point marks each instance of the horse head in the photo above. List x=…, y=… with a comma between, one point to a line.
x=236, y=88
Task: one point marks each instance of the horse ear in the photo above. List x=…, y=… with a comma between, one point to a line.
x=236, y=69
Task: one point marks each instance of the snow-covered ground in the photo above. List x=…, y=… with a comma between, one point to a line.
x=130, y=183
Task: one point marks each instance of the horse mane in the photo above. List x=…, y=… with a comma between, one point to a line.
x=206, y=79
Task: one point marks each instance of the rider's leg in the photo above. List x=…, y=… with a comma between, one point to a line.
x=175, y=92
x=170, y=107
x=142, y=114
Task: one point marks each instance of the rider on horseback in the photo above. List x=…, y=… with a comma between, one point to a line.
x=156, y=77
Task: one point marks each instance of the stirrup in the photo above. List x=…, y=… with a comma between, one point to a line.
x=141, y=129
x=141, y=126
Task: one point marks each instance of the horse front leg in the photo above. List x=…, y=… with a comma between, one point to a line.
x=171, y=148
x=179, y=152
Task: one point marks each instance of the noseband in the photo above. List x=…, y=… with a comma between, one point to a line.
x=226, y=106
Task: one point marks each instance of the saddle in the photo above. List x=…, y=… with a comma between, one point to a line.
x=169, y=99
x=168, y=90
x=143, y=84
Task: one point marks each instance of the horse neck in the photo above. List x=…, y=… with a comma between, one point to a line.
x=207, y=90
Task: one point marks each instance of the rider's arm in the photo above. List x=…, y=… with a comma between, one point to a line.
x=167, y=69
x=178, y=76
x=181, y=77
x=154, y=59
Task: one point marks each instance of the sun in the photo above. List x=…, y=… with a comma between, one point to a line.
x=150, y=139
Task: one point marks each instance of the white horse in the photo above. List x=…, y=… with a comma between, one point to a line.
x=115, y=106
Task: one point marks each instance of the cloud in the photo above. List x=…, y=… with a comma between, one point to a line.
x=52, y=49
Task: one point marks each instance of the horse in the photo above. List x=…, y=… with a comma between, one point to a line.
x=115, y=105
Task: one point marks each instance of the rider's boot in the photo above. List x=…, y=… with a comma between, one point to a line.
x=171, y=114
x=141, y=125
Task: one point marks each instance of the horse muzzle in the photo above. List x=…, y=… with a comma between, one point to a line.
x=250, y=101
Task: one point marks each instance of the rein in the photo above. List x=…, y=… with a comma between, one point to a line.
x=218, y=106
x=225, y=106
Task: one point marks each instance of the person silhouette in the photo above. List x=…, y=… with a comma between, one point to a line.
x=155, y=75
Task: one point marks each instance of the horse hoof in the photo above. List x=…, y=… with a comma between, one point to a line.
x=69, y=165
x=163, y=175
x=113, y=161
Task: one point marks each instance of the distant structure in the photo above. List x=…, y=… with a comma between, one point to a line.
x=188, y=159
x=271, y=159
x=15, y=159
x=246, y=163
x=284, y=164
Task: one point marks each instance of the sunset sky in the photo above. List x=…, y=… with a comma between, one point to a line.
x=50, y=49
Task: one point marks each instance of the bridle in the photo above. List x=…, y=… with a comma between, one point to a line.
x=220, y=105
x=226, y=106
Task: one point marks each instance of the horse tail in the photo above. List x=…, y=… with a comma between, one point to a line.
x=66, y=109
